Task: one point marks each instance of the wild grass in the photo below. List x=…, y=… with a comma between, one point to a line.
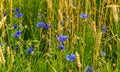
x=93, y=45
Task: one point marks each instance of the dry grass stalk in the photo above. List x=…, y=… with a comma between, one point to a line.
x=60, y=28
x=70, y=70
x=1, y=10
x=49, y=3
x=11, y=57
x=93, y=26
x=10, y=8
x=8, y=51
x=66, y=4
x=71, y=4
x=97, y=45
x=2, y=22
x=2, y=59
x=115, y=11
x=78, y=60
x=61, y=5
x=60, y=14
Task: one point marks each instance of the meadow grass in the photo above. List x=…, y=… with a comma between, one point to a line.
x=94, y=39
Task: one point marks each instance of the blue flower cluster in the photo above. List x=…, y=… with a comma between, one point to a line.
x=16, y=10
x=84, y=16
x=30, y=50
x=70, y=57
x=104, y=28
x=18, y=15
x=61, y=47
x=43, y=25
x=17, y=34
x=5, y=14
x=15, y=26
x=62, y=38
x=88, y=69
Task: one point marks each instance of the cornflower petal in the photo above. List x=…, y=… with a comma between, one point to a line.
x=17, y=9
x=62, y=38
x=15, y=26
x=30, y=50
x=71, y=57
x=40, y=24
x=89, y=69
x=84, y=16
x=61, y=47
x=19, y=15
x=104, y=28
x=17, y=34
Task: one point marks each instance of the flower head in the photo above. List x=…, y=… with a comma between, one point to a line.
x=19, y=15
x=43, y=24
x=62, y=38
x=61, y=47
x=47, y=26
x=15, y=26
x=17, y=9
x=30, y=50
x=70, y=57
x=13, y=10
x=104, y=28
x=88, y=69
x=40, y=24
x=84, y=16
x=5, y=14
x=17, y=34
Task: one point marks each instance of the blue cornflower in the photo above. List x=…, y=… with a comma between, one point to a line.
x=88, y=69
x=17, y=34
x=15, y=26
x=40, y=24
x=70, y=57
x=102, y=53
x=104, y=28
x=19, y=15
x=13, y=10
x=46, y=26
x=17, y=9
x=30, y=50
x=61, y=47
x=84, y=16
x=62, y=38
x=5, y=14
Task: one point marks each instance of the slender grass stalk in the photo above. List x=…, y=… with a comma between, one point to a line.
x=60, y=28
x=97, y=47
x=10, y=58
x=2, y=59
x=79, y=65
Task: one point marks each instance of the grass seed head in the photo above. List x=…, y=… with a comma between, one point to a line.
x=2, y=59
x=78, y=60
x=2, y=22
